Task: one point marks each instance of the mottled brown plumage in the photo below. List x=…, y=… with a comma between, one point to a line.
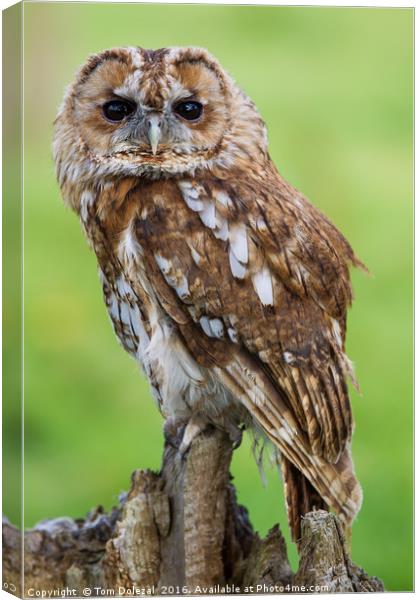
x=220, y=278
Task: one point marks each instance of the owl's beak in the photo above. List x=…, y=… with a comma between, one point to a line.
x=154, y=132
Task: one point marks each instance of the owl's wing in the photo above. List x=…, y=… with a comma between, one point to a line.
x=262, y=303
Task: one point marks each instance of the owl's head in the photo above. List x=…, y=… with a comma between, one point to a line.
x=162, y=112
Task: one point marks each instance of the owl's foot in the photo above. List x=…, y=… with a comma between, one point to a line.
x=180, y=433
x=235, y=435
x=194, y=427
x=173, y=431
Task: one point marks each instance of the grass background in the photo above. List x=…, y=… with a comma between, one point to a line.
x=335, y=87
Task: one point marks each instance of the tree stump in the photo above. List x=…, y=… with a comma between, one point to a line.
x=177, y=532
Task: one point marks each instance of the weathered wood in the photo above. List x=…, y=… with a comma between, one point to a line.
x=197, y=485
x=268, y=567
x=325, y=564
x=132, y=555
x=179, y=531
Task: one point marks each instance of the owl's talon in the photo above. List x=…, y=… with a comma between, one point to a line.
x=173, y=432
x=235, y=436
x=195, y=426
x=169, y=429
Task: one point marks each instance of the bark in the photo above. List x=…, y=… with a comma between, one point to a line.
x=177, y=532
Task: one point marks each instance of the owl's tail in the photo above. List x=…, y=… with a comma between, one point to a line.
x=300, y=495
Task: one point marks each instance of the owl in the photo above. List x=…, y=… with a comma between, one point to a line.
x=226, y=285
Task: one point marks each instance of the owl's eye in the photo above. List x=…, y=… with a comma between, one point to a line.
x=189, y=110
x=117, y=110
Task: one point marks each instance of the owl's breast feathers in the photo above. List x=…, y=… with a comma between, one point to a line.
x=255, y=282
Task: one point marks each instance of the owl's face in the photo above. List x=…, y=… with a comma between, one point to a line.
x=142, y=112
x=142, y=104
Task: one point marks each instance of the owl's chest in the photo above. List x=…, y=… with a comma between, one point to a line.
x=147, y=333
x=180, y=386
x=141, y=309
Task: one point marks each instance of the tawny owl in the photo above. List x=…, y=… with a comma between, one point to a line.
x=222, y=280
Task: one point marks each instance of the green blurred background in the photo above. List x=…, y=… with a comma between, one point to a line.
x=335, y=88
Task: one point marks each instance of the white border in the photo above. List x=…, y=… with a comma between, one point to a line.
x=366, y=4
